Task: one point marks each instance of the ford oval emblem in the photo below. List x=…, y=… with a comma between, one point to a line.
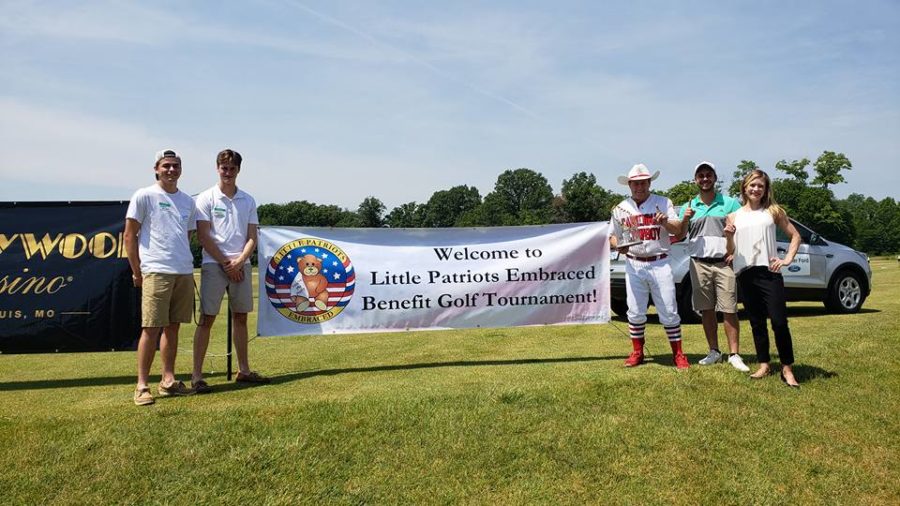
x=794, y=268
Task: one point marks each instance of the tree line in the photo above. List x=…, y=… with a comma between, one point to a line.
x=524, y=197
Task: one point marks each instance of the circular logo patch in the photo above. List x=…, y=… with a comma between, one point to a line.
x=310, y=280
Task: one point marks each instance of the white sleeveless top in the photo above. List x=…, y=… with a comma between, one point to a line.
x=754, y=238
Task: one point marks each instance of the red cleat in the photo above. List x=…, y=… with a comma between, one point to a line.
x=681, y=361
x=636, y=358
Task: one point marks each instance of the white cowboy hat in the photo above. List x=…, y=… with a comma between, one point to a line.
x=637, y=173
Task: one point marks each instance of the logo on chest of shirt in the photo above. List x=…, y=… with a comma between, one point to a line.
x=643, y=226
x=219, y=212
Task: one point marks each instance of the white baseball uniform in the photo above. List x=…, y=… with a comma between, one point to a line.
x=647, y=269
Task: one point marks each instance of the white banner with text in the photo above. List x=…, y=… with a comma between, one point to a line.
x=342, y=280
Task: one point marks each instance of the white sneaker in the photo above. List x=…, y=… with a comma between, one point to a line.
x=713, y=357
x=738, y=363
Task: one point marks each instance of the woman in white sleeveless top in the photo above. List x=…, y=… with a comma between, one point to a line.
x=750, y=232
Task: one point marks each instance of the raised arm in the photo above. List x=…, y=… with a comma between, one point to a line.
x=729, y=235
x=685, y=221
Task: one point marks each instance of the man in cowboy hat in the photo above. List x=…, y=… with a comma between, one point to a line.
x=648, y=219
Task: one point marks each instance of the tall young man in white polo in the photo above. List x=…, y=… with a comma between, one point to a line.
x=648, y=218
x=712, y=278
x=226, y=226
x=158, y=223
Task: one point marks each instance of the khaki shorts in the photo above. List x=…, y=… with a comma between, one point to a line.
x=214, y=281
x=166, y=299
x=713, y=287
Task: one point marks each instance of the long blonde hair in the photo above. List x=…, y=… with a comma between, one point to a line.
x=768, y=198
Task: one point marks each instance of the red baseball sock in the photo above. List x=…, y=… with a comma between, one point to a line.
x=638, y=344
x=676, y=347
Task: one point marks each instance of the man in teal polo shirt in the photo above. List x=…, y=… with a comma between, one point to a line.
x=712, y=278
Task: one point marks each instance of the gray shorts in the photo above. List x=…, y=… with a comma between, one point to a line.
x=713, y=287
x=214, y=281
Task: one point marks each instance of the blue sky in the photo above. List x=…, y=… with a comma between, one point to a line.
x=401, y=99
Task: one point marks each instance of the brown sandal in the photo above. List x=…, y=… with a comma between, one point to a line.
x=201, y=387
x=143, y=397
x=251, y=377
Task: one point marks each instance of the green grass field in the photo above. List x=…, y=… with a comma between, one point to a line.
x=517, y=415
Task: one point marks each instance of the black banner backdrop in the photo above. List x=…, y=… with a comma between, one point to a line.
x=65, y=284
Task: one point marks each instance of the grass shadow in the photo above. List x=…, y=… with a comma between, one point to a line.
x=79, y=382
x=806, y=311
x=792, y=312
x=806, y=372
x=297, y=376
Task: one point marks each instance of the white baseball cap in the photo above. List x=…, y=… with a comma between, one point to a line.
x=705, y=164
x=638, y=173
x=166, y=153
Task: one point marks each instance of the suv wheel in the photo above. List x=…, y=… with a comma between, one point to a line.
x=846, y=293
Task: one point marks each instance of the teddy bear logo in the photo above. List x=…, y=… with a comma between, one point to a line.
x=314, y=281
x=309, y=280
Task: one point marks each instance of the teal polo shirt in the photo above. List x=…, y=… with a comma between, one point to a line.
x=706, y=233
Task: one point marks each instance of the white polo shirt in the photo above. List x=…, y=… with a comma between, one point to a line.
x=165, y=220
x=228, y=220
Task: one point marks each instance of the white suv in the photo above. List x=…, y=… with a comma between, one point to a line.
x=823, y=270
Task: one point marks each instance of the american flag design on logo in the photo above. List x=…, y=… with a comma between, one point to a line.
x=310, y=280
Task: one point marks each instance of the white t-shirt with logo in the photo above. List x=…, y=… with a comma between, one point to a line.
x=228, y=220
x=640, y=219
x=166, y=219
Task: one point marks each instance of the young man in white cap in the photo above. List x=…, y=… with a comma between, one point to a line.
x=158, y=223
x=226, y=226
x=713, y=286
x=647, y=219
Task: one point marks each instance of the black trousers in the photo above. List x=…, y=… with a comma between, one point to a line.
x=763, y=294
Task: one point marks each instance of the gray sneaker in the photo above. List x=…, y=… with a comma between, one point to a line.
x=738, y=363
x=713, y=357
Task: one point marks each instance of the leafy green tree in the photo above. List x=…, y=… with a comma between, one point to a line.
x=408, y=215
x=608, y=202
x=869, y=227
x=889, y=209
x=583, y=200
x=682, y=192
x=371, y=212
x=877, y=223
x=795, y=169
x=474, y=217
x=520, y=197
x=446, y=207
x=789, y=195
x=304, y=213
x=828, y=168
x=743, y=168
x=815, y=207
